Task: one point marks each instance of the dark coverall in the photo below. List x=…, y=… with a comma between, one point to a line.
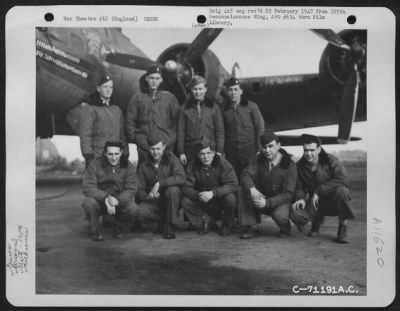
x=147, y=116
x=243, y=127
x=277, y=185
x=100, y=123
x=99, y=181
x=329, y=181
x=192, y=126
x=171, y=176
x=220, y=178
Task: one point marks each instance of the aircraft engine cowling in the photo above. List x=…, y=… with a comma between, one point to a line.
x=336, y=64
x=207, y=65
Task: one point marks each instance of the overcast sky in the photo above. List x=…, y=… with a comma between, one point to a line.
x=258, y=52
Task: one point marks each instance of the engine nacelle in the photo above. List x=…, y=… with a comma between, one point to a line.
x=336, y=63
x=207, y=65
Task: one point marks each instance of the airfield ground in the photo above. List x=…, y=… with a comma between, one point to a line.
x=67, y=262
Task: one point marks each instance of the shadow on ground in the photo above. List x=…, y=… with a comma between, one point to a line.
x=144, y=263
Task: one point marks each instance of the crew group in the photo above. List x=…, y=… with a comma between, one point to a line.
x=193, y=158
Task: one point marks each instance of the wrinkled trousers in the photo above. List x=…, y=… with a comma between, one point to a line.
x=336, y=203
x=123, y=213
x=216, y=208
x=165, y=209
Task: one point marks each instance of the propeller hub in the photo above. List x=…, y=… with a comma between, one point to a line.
x=337, y=63
x=171, y=65
x=186, y=73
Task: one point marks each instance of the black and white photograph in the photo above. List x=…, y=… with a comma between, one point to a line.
x=201, y=161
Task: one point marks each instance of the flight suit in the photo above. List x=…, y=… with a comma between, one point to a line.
x=100, y=123
x=277, y=185
x=171, y=176
x=330, y=182
x=100, y=180
x=243, y=127
x=194, y=124
x=147, y=116
x=220, y=178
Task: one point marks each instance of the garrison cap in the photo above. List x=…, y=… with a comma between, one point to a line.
x=196, y=80
x=154, y=139
x=267, y=137
x=118, y=144
x=103, y=79
x=153, y=69
x=231, y=82
x=203, y=143
x=309, y=139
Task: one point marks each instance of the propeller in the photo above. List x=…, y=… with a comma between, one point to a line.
x=332, y=37
x=200, y=44
x=177, y=70
x=348, y=105
x=354, y=56
x=195, y=50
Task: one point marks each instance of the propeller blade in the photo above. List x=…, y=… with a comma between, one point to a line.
x=201, y=43
x=236, y=71
x=348, y=105
x=332, y=37
x=129, y=61
x=182, y=94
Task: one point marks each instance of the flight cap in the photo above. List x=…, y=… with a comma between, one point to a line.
x=153, y=69
x=103, y=79
x=231, y=82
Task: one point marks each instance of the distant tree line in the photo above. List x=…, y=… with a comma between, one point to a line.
x=59, y=164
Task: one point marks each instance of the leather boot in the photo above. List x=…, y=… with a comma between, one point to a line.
x=117, y=233
x=159, y=229
x=247, y=233
x=316, y=224
x=225, y=230
x=169, y=232
x=342, y=234
x=205, y=222
x=284, y=230
x=98, y=235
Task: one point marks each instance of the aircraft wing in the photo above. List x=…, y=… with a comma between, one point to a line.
x=297, y=140
x=297, y=101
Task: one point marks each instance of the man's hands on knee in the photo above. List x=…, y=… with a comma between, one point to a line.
x=258, y=198
x=111, y=203
x=255, y=194
x=260, y=202
x=154, y=193
x=299, y=205
x=315, y=201
x=206, y=196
